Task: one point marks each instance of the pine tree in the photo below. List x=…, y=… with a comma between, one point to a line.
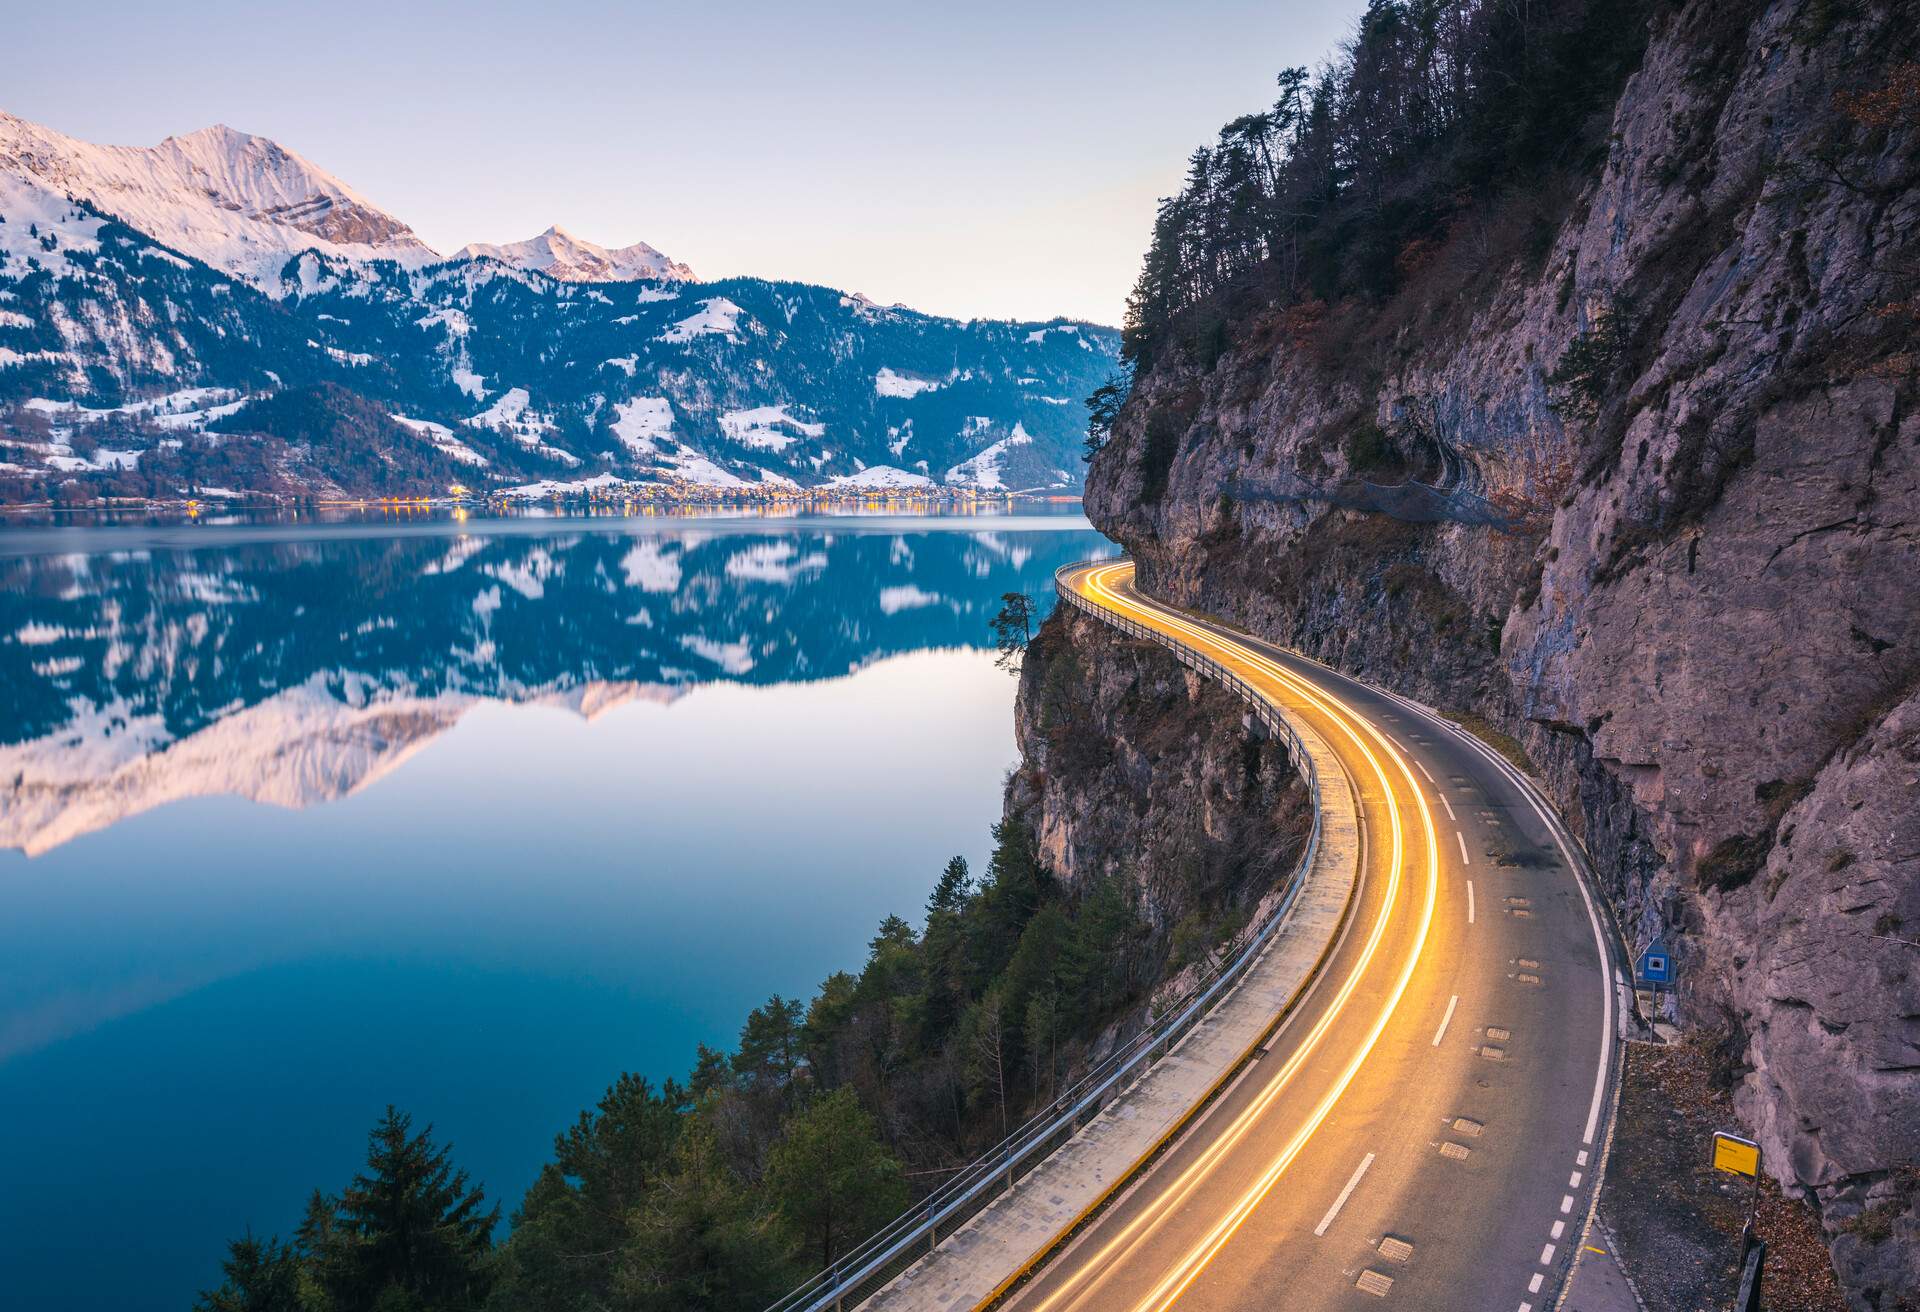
x=409, y=1232
x=698, y=1241
x=262, y=1275
x=953, y=888
x=769, y=1052
x=832, y=1181
x=575, y=1224
x=1012, y=629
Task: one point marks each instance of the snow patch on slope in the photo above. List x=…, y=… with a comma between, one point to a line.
x=639, y=422
x=717, y=316
x=983, y=469
x=763, y=427
x=889, y=383
x=880, y=477
x=440, y=437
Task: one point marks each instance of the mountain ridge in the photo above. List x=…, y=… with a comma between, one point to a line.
x=559, y=254
x=546, y=365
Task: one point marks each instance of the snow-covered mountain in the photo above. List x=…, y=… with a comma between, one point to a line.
x=559, y=254
x=158, y=304
x=244, y=204
x=238, y=202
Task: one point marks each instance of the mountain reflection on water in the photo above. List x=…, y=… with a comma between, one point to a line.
x=205, y=1002
x=297, y=671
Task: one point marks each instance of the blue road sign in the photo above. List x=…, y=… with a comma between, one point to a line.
x=1656, y=964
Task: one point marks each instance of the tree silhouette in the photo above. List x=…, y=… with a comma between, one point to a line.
x=409, y=1232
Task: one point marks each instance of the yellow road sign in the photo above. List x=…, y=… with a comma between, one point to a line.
x=1737, y=1155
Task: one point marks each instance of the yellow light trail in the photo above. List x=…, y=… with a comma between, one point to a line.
x=1171, y=1286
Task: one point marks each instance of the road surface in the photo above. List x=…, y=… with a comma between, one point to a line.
x=1425, y=1131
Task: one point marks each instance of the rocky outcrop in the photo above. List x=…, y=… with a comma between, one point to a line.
x=1651, y=501
x=1133, y=766
x=1832, y=994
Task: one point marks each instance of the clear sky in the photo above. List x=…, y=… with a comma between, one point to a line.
x=976, y=159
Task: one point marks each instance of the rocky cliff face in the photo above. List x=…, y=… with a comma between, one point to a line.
x=1133, y=766
x=1650, y=501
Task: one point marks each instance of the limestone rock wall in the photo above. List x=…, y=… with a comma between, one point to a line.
x=1135, y=767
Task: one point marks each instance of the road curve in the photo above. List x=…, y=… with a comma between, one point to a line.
x=1426, y=1129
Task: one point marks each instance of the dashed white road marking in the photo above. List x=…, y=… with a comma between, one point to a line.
x=1465, y=860
x=1446, y=1020
x=1559, y=1228
x=1573, y=1181
x=1533, y=1285
x=1546, y=1255
x=1430, y=779
x=1582, y=1158
x=1345, y=1194
x=1558, y=835
x=1566, y=1204
x=1469, y=901
x=1449, y=805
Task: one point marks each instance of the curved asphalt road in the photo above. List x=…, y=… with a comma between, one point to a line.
x=1425, y=1129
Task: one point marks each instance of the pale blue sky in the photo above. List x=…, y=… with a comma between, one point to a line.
x=976, y=159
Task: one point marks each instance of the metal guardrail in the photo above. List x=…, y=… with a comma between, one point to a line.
x=879, y=1259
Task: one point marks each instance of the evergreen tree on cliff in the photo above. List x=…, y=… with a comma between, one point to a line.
x=409, y=1233
x=833, y=1180
x=262, y=1275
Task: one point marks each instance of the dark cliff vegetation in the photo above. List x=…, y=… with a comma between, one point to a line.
x=1437, y=123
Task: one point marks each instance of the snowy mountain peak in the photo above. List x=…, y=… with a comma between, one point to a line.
x=559, y=254
x=245, y=204
x=240, y=202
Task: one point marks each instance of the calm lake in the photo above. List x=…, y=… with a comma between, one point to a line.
x=297, y=821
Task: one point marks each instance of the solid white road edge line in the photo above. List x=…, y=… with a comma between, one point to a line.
x=1340, y=1202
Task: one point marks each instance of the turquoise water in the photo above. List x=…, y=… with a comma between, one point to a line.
x=469, y=818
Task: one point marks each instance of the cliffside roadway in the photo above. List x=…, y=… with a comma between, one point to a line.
x=1428, y=1128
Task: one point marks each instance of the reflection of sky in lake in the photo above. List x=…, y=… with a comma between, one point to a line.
x=471, y=899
